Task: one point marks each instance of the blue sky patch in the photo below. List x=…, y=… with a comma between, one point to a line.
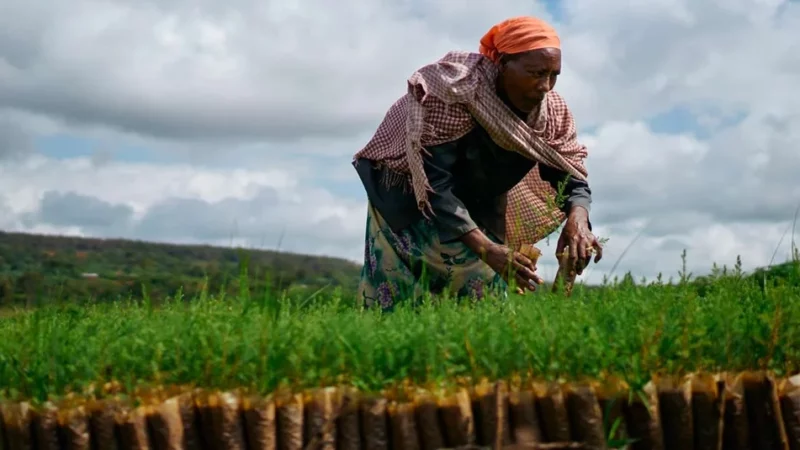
x=352, y=190
x=555, y=8
x=682, y=119
x=63, y=146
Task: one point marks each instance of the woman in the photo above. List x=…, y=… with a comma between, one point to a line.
x=467, y=166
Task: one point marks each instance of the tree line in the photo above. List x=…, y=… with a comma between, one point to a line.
x=41, y=269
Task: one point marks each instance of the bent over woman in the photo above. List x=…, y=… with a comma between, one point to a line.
x=467, y=166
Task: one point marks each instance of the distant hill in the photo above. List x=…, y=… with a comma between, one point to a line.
x=37, y=269
x=787, y=273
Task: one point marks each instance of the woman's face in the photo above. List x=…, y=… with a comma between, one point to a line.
x=526, y=77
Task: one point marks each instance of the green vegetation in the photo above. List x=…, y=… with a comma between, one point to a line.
x=36, y=270
x=737, y=322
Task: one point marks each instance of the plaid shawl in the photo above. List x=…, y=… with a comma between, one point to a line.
x=443, y=102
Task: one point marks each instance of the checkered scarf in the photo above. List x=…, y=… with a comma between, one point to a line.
x=443, y=102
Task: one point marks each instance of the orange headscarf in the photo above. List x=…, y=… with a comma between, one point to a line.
x=518, y=34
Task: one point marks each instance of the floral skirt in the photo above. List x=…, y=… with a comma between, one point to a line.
x=401, y=266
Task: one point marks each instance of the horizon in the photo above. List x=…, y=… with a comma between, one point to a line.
x=548, y=280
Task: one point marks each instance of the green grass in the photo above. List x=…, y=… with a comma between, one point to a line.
x=733, y=322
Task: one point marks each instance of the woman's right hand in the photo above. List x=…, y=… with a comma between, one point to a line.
x=510, y=264
x=503, y=261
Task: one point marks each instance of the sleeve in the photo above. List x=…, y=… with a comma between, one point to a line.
x=450, y=215
x=576, y=192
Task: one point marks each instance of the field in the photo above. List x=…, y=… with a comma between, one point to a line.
x=626, y=340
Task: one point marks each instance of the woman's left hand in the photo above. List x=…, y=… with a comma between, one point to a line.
x=580, y=239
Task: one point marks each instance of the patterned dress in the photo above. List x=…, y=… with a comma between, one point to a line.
x=403, y=266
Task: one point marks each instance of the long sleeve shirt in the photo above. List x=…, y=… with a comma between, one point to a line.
x=470, y=178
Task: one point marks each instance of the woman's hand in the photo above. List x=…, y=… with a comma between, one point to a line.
x=509, y=264
x=579, y=238
x=503, y=261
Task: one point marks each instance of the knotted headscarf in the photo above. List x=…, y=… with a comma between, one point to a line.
x=518, y=34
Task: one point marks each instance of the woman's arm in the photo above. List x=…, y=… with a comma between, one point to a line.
x=577, y=193
x=453, y=221
x=450, y=215
x=577, y=232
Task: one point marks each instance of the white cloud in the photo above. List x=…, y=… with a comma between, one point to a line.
x=241, y=71
x=139, y=185
x=281, y=94
x=647, y=58
x=179, y=204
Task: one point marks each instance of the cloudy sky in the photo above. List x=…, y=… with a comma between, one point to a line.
x=235, y=122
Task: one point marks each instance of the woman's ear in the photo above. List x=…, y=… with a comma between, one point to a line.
x=502, y=60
